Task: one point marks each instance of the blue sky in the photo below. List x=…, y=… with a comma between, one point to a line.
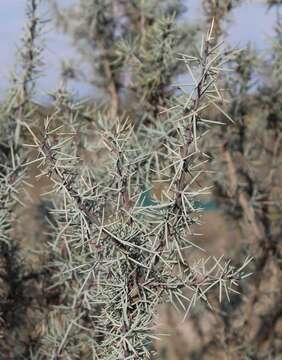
x=252, y=22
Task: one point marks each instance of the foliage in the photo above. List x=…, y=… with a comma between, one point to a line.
x=118, y=42
x=119, y=185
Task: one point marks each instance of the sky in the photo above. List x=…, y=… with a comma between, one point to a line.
x=251, y=22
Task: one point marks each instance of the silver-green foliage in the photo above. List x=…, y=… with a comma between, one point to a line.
x=116, y=257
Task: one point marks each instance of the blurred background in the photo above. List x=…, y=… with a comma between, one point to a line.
x=250, y=23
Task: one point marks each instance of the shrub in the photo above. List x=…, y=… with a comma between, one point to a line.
x=119, y=184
